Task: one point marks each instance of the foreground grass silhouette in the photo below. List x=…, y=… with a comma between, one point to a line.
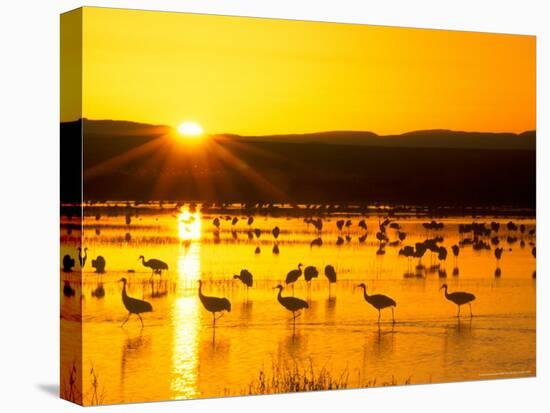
x=289, y=377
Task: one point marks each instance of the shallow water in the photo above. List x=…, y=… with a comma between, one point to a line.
x=179, y=355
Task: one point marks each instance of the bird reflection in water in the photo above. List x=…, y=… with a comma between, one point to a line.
x=133, y=350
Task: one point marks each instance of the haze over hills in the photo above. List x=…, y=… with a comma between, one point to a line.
x=435, y=138
x=127, y=160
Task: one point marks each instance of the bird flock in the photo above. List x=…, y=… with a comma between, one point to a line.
x=480, y=236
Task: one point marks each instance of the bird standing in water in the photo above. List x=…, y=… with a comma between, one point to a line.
x=292, y=304
x=134, y=305
x=459, y=298
x=378, y=301
x=214, y=304
x=246, y=278
x=293, y=276
x=330, y=273
x=156, y=265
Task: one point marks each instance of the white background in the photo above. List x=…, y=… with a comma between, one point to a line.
x=29, y=158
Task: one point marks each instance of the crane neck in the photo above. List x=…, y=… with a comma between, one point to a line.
x=280, y=294
x=446, y=293
x=124, y=289
x=365, y=295
x=200, y=291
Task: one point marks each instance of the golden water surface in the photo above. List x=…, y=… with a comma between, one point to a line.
x=178, y=354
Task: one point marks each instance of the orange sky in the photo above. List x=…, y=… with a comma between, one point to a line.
x=263, y=76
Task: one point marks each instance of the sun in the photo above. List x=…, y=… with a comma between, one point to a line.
x=190, y=129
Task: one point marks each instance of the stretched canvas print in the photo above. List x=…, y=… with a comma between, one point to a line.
x=255, y=206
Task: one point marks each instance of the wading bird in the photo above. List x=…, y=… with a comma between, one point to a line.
x=310, y=272
x=293, y=275
x=133, y=305
x=82, y=258
x=292, y=304
x=214, y=304
x=378, y=301
x=156, y=265
x=459, y=298
x=68, y=263
x=99, y=264
x=246, y=278
x=330, y=273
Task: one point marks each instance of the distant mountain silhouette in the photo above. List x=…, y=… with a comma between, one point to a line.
x=436, y=138
x=122, y=128
x=128, y=160
x=433, y=138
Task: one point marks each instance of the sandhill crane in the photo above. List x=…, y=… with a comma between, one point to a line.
x=276, y=231
x=292, y=304
x=250, y=221
x=99, y=264
x=82, y=258
x=363, y=224
x=214, y=304
x=293, y=275
x=317, y=242
x=246, y=278
x=134, y=305
x=378, y=301
x=156, y=265
x=318, y=224
x=216, y=222
x=68, y=263
x=340, y=224
x=310, y=272
x=330, y=273
x=459, y=298
x=234, y=221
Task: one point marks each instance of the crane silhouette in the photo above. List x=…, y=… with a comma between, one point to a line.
x=330, y=273
x=82, y=258
x=134, y=305
x=246, y=278
x=293, y=276
x=292, y=304
x=99, y=264
x=68, y=263
x=214, y=304
x=459, y=298
x=310, y=272
x=378, y=301
x=156, y=265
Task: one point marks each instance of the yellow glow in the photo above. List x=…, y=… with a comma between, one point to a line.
x=189, y=225
x=261, y=76
x=190, y=129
